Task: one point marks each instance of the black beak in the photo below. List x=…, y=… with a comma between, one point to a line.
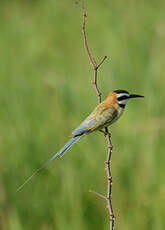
x=134, y=95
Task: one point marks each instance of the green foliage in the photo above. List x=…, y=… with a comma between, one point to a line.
x=46, y=91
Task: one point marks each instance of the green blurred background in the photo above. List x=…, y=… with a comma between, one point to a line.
x=46, y=91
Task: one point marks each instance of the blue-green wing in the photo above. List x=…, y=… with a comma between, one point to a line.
x=98, y=119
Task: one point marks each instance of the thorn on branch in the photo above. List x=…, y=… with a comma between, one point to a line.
x=112, y=219
x=110, y=178
x=107, y=162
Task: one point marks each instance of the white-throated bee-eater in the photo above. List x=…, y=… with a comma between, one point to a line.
x=102, y=116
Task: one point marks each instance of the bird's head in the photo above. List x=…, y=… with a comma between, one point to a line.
x=122, y=97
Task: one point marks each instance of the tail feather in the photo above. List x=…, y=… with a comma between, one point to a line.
x=61, y=152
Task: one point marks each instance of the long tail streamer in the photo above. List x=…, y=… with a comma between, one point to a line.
x=61, y=152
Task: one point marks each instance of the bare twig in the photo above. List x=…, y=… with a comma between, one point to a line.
x=109, y=190
x=98, y=194
x=93, y=63
x=106, y=133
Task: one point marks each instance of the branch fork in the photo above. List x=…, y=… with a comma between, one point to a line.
x=106, y=133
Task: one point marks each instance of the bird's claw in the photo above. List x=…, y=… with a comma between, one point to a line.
x=104, y=132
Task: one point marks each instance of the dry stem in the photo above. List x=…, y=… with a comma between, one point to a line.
x=109, y=190
x=93, y=63
x=95, y=68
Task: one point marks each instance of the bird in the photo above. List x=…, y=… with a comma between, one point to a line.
x=104, y=115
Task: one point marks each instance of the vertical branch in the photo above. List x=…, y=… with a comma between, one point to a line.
x=109, y=177
x=95, y=68
x=92, y=61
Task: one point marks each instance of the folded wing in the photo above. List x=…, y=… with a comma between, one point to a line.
x=101, y=117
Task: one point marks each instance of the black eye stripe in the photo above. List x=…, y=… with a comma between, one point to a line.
x=122, y=98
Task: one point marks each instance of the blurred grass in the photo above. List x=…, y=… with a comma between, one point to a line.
x=45, y=92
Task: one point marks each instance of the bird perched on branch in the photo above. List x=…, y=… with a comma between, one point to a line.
x=102, y=116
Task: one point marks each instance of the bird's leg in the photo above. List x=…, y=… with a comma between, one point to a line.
x=104, y=132
x=107, y=132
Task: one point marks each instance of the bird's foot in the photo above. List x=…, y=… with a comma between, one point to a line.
x=104, y=132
